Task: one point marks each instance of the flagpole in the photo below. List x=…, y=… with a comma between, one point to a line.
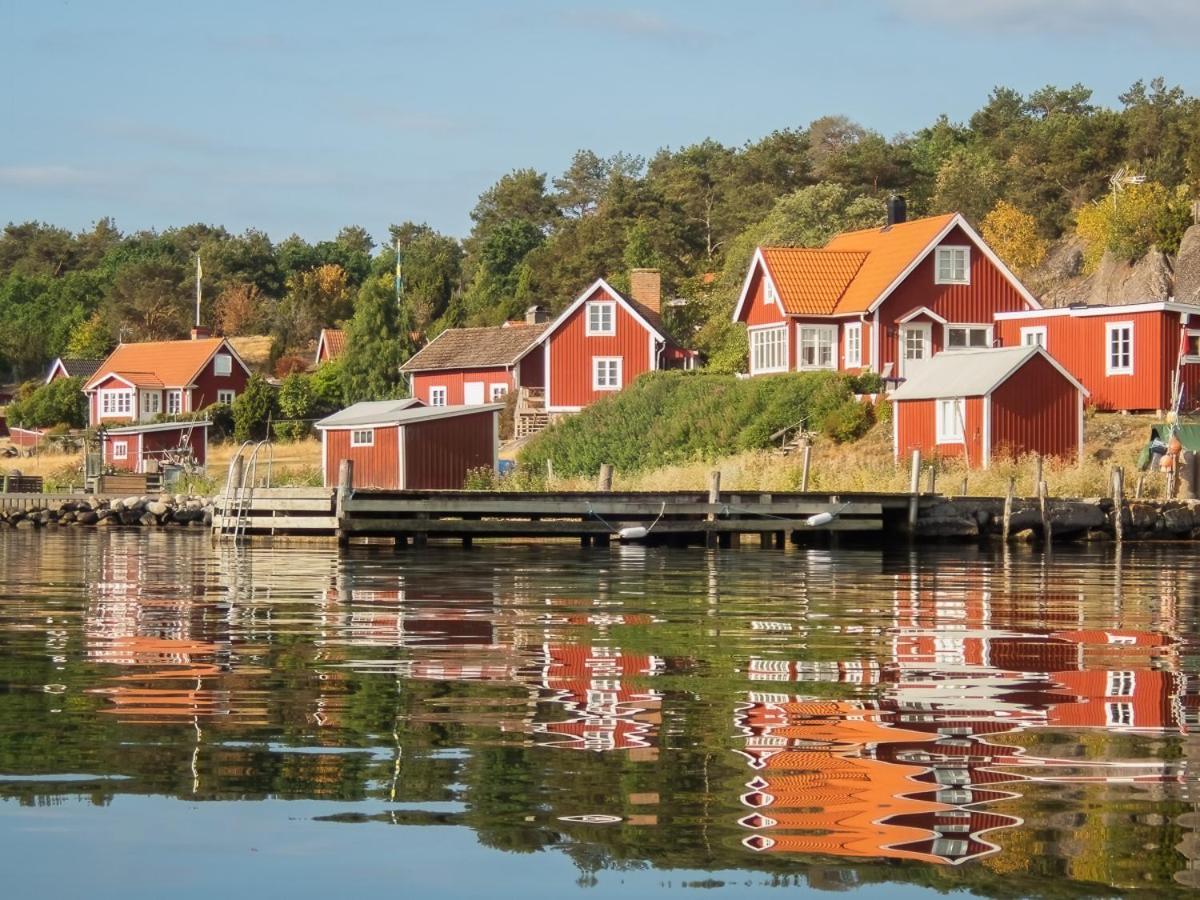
x=199, y=272
x=399, y=274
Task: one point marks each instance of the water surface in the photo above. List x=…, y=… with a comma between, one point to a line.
x=540, y=719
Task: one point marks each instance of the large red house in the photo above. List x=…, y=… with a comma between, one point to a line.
x=881, y=299
x=1126, y=356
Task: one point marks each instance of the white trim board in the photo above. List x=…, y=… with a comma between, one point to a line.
x=1111, y=309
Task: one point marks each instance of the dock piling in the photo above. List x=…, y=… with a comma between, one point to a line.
x=914, y=490
x=344, y=489
x=714, y=497
x=604, y=483
x=805, y=468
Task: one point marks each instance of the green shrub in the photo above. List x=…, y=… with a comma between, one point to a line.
x=252, y=409
x=221, y=417
x=481, y=479
x=848, y=422
x=58, y=403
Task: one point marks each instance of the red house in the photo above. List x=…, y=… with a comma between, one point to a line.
x=982, y=403
x=330, y=345
x=141, y=448
x=1126, y=356
x=881, y=299
x=72, y=368
x=405, y=445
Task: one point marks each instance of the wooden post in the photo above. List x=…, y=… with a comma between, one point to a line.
x=1141, y=482
x=604, y=485
x=549, y=470
x=345, y=488
x=1046, y=527
x=1118, y=496
x=6, y=482
x=1037, y=473
x=1008, y=502
x=914, y=490
x=932, y=487
x=963, y=492
x=714, y=497
x=805, y=468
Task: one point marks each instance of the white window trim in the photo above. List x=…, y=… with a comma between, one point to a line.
x=1119, y=713
x=959, y=435
x=606, y=360
x=120, y=450
x=176, y=396
x=830, y=331
x=1029, y=330
x=770, y=295
x=223, y=361
x=497, y=391
x=356, y=437
x=113, y=395
x=226, y=396
x=926, y=331
x=855, y=328
x=1109, y=329
x=1192, y=357
x=433, y=389
x=937, y=264
x=611, y=306
x=951, y=326
x=760, y=329
x=151, y=403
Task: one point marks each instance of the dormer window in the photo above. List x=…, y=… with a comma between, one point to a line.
x=601, y=318
x=222, y=364
x=952, y=265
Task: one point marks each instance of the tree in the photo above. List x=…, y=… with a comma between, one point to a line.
x=152, y=300
x=968, y=182
x=1014, y=236
x=90, y=339
x=58, y=403
x=253, y=409
x=316, y=299
x=581, y=187
x=296, y=403
x=521, y=194
x=432, y=267
x=240, y=309
x=378, y=341
x=1140, y=217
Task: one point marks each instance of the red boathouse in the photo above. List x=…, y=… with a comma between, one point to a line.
x=405, y=445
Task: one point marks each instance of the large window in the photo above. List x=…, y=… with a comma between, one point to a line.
x=953, y=265
x=854, y=345
x=1118, y=358
x=175, y=402
x=968, y=337
x=768, y=350
x=362, y=437
x=1120, y=684
x=1120, y=714
x=601, y=318
x=951, y=420
x=151, y=403
x=818, y=347
x=116, y=403
x=606, y=373
x=222, y=364
x=437, y=396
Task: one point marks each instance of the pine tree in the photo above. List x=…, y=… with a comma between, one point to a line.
x=378, y=341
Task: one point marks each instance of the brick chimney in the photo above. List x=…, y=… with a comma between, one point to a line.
x=536, y=315
x=200, y=332
x=645, y=286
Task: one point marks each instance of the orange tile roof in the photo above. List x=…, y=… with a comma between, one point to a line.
x=335, y=342
x=169, y=363
x=850, y=272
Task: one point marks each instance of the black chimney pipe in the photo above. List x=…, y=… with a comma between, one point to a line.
x=897, y=210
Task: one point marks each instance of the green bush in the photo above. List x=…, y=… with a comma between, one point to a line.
x=296, y=403
x=848, y=422
x=665, y=418
x=221, y=417
x=483, y=478
x=60, y=402
x=252, y=409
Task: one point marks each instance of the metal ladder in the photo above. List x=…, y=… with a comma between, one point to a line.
x=236, y=499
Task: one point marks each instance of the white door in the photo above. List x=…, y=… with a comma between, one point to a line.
x=473, y=393
x=916, y=345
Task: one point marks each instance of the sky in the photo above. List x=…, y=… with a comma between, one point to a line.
x=302, y=117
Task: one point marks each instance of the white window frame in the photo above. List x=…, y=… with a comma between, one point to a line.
x=222, y=364
x=951, y=251
x=853, y=338
x=226, y=396
x=1120, y=683
x=771, y=348
x=175, y=402
x=613, y=368
x=151, y=403
x=967, y=327
x=956, y=433
x=1034, y=331
x=1119, y=713
x=115, y=403
x=1192, y=357
x=120, y=449
x=362, y=437
x=604, y=309
x=1110, y=330
x=824, y=335
x=437, y=395
x=770, y=295
x=497, y=391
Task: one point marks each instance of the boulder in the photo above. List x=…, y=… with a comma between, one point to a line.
x=1178, y=520
x=117, y=505
x=147, y=518
x=1187, y=267
x=26, y=523
x=129, y=516
x=1072, y=518
x=158, y=508
x=108, y=521
x=954, y=526
x=1142, y=516
x=87, y=517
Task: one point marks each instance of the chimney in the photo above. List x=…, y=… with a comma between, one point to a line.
x=199, y=333
x=645, y=286
x=536, y=315
x=897, y=210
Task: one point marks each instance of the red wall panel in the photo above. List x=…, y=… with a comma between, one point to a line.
x=755, y=311
x=439, y=453
x=916, y=429
x=454, y=379
x=208, y=383
x=153, y=442
x=1035, y=411
x=571, y=352
x=377, y=466
x=531, y=370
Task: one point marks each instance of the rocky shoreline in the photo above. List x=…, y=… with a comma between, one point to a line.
x=158, y=511
x=968, y=518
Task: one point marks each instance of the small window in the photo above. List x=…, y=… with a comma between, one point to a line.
x=951, y=420
x=768, y=350
x=950, y=848
x=437, y=396
x=1034, y=336
x=968, y=337
x=175, y=402
x=606, y=373
x=818, y=347
x=1191, y=347
x=362, y=437
x=601, y=318
x=1120, y=684
x=225, y=396
x=1119, y=355
x=770, y=298
x=222, y=364
x=498, y=392
x=854, y=345
x=1120, y=714
x=953, y=265
x=120, y=450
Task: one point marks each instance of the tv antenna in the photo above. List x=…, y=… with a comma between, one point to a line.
x=1121, y=179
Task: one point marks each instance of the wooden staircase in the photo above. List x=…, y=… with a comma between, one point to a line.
x=530, y=416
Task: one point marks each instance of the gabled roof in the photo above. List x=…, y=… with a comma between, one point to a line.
x=971, y=373
x=172, y=364
x=376, y=414
x=475, y=348
x=75, y=368
x=858, y=270
x=334, y=342
x=650, y=319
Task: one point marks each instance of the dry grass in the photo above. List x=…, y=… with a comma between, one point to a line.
x=301, y=453
x=254, y=349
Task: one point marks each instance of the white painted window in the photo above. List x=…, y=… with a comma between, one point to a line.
x=437, y=396
x=818, y=347
x=854, y=345
x=116, y=403
x=1033, y=335
x=222, y=364
x=497, y=392
x=949, y=848
x=175, y=402
x=606, y=373
x=1119, y=713
x=1191, y=350
x=120, y=449
x=768, y=350
x=968, y=337
x=151, y=403
x=1120, y=684
x=362, y=437
x=952, y=265
x=951, y=419
x=225, y=396
x=601, y=318
x=770, y=298
x=1118, y=359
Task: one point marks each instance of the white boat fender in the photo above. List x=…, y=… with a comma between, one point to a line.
x=819, y=519
x=633, y=533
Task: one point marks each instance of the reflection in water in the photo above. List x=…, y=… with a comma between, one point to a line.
x=845, y=718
